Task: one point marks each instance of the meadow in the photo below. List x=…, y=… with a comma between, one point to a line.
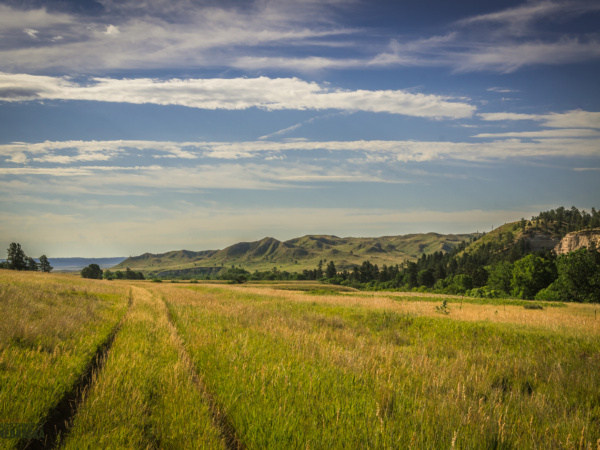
x=179, y=365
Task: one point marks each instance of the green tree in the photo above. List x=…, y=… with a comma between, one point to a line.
x=501, y=276
x=92, y=271
x=426, y=278
x=31, y=264
x=480, y=277
x=411, y=274
x=331, y=271
x=320, y=269
x=461, y=283
x=578, y=276
x=45, y=264
x=530, y=275
x=16, y=258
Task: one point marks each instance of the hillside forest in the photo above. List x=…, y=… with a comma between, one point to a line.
x=501, y=264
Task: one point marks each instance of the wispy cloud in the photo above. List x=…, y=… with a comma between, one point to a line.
x=501, y=90
x=266, y=35
x=234, y=94
x=549, y=143
x=519, y=19
x=510, y=56
x=571, y=119
x=562, y=133
x=167, y=34
x=502, y=41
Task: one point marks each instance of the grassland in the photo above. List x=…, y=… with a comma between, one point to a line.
x=50, y=332
x=267, y=366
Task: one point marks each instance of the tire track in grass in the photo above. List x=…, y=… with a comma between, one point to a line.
x=147, y=388
x=59, y=418
x=220, y=419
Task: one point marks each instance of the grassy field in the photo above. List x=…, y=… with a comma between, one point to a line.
x=258, y=366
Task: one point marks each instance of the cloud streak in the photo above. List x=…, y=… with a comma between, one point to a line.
x=233, y=94
x=267, y=35
x=549, y=143
x=571, y=119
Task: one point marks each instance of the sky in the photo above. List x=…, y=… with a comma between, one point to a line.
x=154, y=125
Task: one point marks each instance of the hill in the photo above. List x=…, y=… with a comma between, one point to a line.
x=296, y=254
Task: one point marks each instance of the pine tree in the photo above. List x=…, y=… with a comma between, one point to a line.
x=16, y=257
x=45, y=264
x=31, y=264
x=331, y=271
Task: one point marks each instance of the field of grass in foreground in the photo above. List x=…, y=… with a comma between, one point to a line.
x=296, y=370
x=145, y=396
x=50, y=330
x=209, y=366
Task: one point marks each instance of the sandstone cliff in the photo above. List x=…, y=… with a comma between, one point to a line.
x=578, y=239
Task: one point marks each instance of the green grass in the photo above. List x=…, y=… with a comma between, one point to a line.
x=48, y=337
x=145, y=396
x=313, y=374
x=192, y=366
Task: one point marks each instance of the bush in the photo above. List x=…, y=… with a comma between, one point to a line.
x=549, y=294
x=533, y=306
x=92, y=271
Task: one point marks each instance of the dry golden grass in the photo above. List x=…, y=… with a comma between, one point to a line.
x=575, y=317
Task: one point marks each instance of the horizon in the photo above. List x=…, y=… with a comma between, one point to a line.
x=258, y=240
x=182, y=124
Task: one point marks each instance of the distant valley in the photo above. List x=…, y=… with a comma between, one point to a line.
x=76, y=264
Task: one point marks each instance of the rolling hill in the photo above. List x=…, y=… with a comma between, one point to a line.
x=295, y=254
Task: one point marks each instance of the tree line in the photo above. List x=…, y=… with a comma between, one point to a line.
x=502, y=267
x=16, y=259
x=94, y=271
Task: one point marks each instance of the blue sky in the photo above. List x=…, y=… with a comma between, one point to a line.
x=155, y=125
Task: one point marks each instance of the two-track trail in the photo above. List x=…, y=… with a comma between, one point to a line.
x=60, y=417
x=145, y=394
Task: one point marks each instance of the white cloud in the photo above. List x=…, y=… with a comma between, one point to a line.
x=552, y=143
x=14, y=19
x=564, y=133
x=167, y=34
x=510, y=56
x=501, y=90
x=571, y=119
x=112, y=30
x=31, y=32
x=519, y=18
x=267, y=35
x=235, y=94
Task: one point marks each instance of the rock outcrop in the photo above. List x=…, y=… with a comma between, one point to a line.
x=578, y=239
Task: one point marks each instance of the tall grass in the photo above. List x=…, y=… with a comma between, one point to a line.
x=145, y=395
x=50, y=329
x=191, y=366
x=316, y=372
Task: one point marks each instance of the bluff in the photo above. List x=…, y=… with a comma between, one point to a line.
x=578, y=239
